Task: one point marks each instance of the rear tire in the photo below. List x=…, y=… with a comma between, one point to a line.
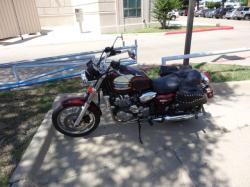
x=247, y=17
x=65, y=126
x=173, y=17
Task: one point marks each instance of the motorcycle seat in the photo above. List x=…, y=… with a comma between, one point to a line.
x=166, y=84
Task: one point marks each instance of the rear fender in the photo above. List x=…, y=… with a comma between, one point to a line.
x=79, y=101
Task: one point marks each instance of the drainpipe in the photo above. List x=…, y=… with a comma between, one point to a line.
x=149, y=13
x=117, y=17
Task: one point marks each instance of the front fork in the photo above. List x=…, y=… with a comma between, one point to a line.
x=84, y=109
x=90, y=95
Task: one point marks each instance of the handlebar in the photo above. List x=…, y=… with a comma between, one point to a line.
x=112, y=51
x=115, y=64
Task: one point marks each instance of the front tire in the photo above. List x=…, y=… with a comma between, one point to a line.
x=63, y=119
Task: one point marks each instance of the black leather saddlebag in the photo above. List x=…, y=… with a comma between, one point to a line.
x=190, y=92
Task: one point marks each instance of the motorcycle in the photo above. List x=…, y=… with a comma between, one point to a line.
x=179, y=93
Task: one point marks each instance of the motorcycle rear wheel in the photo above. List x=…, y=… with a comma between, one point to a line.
x=63, y=119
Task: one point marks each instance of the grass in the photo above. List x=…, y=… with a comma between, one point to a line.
x=21, y=114
x=22, y=111
x=171, y=28
x=223, y=73
x=218, y=72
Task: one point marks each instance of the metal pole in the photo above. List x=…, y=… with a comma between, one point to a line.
x=189, y=31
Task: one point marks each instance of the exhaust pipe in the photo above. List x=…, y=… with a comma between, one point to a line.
x=178, y=117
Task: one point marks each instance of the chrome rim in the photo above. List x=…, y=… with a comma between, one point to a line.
x=67, y=117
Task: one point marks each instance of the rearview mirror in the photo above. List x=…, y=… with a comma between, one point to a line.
x=131, y=54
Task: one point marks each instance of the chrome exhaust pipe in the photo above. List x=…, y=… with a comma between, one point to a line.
x=178, y=117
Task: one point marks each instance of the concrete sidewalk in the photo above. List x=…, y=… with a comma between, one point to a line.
x=210, y=151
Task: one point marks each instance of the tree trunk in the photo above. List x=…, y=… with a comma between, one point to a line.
x=163, y=23
x=198, y=4
x=168, y=23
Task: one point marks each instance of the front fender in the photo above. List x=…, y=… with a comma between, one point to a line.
x=79, y=101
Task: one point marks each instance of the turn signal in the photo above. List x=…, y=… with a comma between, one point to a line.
x=90, y=90
x=208, y=75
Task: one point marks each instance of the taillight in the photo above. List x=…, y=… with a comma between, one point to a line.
x=209, y=92
x=208, y=75
x=206, y=78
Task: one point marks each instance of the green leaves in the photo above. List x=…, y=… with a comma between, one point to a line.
x=162, y=8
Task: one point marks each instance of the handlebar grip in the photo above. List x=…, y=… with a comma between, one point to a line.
x=107, y=49
x=118, y=52
x=115, y=64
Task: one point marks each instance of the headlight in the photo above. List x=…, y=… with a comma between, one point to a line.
x=84, y=79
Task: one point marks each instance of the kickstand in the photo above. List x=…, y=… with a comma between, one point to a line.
x=203, y=110
x=139, y=130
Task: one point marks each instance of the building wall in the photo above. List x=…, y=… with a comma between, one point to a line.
x=112, y=18
x=98, y=15
x=18, y=17
x=248, y=2
x=55, y=12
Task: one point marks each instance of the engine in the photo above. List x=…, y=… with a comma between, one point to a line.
x=126, y=108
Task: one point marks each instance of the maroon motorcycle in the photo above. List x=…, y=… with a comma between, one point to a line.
x=177, y=94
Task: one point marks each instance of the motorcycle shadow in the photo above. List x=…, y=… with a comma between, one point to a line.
x=160, y=132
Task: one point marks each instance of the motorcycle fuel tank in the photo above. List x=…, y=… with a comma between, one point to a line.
x=131, y=83
x=123, y=83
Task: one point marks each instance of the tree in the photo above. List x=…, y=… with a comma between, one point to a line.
x=211, y=4
x=223, y=3
x=198, y=4
x=244, y=2
x=162, y=8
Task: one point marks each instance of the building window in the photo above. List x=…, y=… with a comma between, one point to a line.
x=132, y=8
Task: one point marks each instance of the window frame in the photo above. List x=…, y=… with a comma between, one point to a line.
x=137, y=9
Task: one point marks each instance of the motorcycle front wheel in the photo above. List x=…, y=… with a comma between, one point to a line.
x=63, y=119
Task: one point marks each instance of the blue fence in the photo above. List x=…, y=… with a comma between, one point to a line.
x=27, y=73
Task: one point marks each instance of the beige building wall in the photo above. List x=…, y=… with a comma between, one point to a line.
x=18, y=17
x=112, y=18
x=91, y=16
x=98, y=15
x=55, y=12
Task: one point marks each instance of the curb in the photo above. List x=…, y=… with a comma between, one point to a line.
x=33, y=155
x=201, y=30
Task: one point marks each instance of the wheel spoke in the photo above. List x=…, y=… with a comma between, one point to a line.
x=68, y=116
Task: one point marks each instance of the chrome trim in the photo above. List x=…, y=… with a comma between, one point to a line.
x=178, y=118
x=147, y=96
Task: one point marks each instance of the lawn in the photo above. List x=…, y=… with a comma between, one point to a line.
x=22, y=111
x=21, y=114
x=171, y=28
x=218, y=72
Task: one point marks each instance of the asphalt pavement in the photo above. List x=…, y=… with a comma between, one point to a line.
x=152, y=46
